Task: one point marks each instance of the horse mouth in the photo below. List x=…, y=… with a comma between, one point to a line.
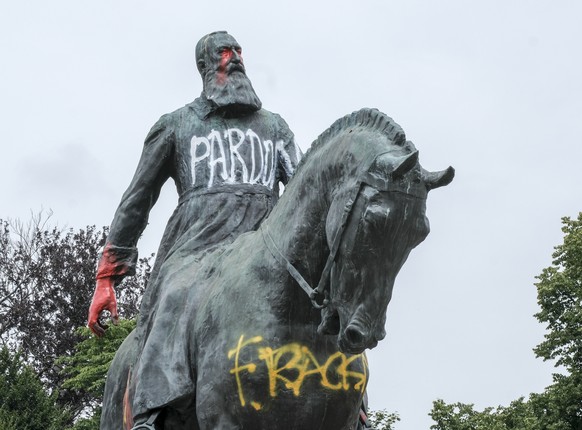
x=354, y=340
x=330, y=322
x=347, y=348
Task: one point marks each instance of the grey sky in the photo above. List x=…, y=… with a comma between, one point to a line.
x=490, y=87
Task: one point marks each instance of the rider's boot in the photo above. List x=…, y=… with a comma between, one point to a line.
x=147, y=421
x=363, y=421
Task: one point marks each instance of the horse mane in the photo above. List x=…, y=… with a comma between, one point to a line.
x=368, y=118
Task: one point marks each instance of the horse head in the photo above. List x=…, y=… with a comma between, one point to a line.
x=375, y=221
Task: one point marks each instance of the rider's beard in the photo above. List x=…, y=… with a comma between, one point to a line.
x=231, y=91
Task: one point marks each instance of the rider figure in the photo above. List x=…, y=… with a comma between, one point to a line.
x=226, y=156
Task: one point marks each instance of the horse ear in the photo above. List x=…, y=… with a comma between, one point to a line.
x=438, y=179
x=388, y=165
x=404, y=165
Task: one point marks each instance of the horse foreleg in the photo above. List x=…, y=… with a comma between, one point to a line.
x=115, y=415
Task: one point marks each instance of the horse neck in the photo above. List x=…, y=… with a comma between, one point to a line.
x=297, y=224
x=297, y=229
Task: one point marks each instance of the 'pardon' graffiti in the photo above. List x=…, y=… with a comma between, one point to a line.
x=235, y=156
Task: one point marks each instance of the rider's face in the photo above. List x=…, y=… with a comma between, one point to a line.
x=225, y=55
x=224, y=76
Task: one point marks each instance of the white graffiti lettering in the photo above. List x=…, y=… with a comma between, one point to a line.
x=234, y=156
x=196, y=157
x=255, y=140
x=216, y=143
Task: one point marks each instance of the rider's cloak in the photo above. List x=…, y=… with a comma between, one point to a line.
x=227, y=172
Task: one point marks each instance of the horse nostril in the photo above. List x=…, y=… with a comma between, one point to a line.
x=354, y=335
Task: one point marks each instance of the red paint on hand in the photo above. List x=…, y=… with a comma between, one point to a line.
x=110, y=266
x=103, y=299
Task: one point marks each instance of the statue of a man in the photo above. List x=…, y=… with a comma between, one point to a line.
x=227, y=157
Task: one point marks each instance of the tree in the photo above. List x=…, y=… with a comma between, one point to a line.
x=383, y=420
x=560, y=299
x=87, y=368
x=559, y=407
x=24, y=403
x=47, y=277
x=459, y=416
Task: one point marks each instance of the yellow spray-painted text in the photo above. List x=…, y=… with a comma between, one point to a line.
x=289, y=365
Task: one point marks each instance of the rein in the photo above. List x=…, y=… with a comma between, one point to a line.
x=323, y=286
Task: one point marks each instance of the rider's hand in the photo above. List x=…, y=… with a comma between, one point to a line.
x=103, y=299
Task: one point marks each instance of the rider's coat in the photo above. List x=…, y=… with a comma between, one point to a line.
x=226, y=171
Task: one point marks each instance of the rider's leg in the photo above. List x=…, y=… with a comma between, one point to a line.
x=147, y=421
x=363, y=421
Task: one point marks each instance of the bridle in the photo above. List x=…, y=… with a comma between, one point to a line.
x=322, y=289
x=319, y=295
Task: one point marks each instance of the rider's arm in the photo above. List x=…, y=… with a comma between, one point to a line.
x=288, y=153
x=119, y=255
x=154, y=168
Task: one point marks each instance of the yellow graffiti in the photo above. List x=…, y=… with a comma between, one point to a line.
x=291, y=364
x=237, y=369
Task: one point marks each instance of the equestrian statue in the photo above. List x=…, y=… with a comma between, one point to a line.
x=260, y=306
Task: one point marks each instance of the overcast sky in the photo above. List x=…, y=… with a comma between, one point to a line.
x=493, y=88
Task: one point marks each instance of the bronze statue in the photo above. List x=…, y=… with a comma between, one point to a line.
x=268, y=330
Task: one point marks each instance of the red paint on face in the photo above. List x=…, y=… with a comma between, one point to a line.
x=226, y=57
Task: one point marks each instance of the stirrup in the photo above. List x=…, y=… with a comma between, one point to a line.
x=149, y=424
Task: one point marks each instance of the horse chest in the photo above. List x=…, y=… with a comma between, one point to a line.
x=297, y=382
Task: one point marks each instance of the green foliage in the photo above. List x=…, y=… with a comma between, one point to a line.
x=24, y=403
x=543, y=411
x=87, y=368
x=559, y=407
x=383, y=420
x=91, y=423
x=459, y=416
x=47, y=278
x=560, y=299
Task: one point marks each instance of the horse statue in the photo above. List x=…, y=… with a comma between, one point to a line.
x=273, y=327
